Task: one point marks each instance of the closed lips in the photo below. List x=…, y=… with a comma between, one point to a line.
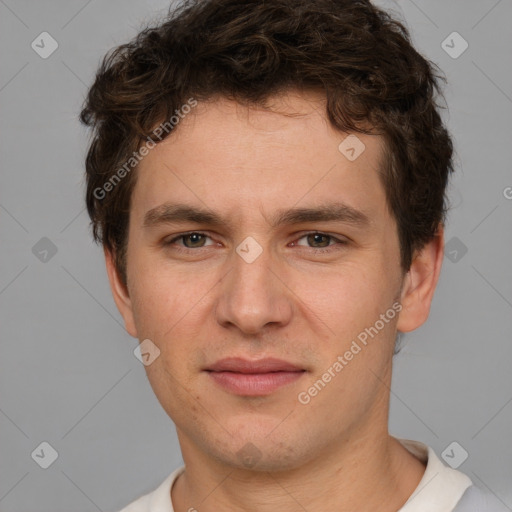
x=240, y=365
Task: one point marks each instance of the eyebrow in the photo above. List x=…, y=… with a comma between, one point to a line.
x=169, y=213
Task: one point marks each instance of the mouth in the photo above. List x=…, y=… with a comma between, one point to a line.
x=253, y=378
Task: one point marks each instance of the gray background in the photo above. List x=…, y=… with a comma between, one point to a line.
x=68, y=375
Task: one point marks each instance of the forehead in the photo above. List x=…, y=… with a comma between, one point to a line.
x=236, y=158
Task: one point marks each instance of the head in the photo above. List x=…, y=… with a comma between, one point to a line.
x=256, y=125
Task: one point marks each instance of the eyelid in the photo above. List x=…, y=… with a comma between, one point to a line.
x=337, y=238
x=182, y=235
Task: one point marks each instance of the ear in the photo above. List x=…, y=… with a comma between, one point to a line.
x=120, y=294
x=420, y=283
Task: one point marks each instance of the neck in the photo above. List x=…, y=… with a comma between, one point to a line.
x=368, y=472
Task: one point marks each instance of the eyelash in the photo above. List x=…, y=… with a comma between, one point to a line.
x=327, y=249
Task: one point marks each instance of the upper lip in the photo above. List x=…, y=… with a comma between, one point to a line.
x=241, y=365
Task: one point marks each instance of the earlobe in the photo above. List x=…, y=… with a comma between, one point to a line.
x=420, y=283
x=120, y=294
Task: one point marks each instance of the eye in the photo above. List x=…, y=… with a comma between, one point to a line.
x=190, y=240
x=319, y=240
x=198, y=240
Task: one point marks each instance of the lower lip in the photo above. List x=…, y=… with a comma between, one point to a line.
x=254, y=384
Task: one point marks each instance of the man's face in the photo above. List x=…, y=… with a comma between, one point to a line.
x=304, y=299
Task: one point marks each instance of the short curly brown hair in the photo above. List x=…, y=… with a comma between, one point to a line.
x=356, y=54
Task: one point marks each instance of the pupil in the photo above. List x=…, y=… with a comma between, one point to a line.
x=195, y=239
x=323, y=240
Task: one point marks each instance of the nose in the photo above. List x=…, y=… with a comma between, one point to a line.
x=252, y=297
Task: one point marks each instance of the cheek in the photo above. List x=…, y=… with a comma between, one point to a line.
x=349, y=298
x=170, y=309
x=160, y=296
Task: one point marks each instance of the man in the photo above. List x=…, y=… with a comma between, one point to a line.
x=267, y=180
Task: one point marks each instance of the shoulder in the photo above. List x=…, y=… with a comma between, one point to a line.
x=475, y=499
x=141, y=504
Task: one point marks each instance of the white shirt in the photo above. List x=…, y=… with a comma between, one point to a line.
x=440, y=489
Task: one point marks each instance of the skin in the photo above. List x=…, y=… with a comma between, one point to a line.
x=294, y=302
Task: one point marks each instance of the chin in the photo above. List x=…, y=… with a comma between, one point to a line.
x=254, y=459
x=257, y=451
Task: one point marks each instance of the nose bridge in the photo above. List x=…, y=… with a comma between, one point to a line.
x=251, y=296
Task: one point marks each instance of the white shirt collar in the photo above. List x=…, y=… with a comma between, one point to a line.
x=441, y=486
